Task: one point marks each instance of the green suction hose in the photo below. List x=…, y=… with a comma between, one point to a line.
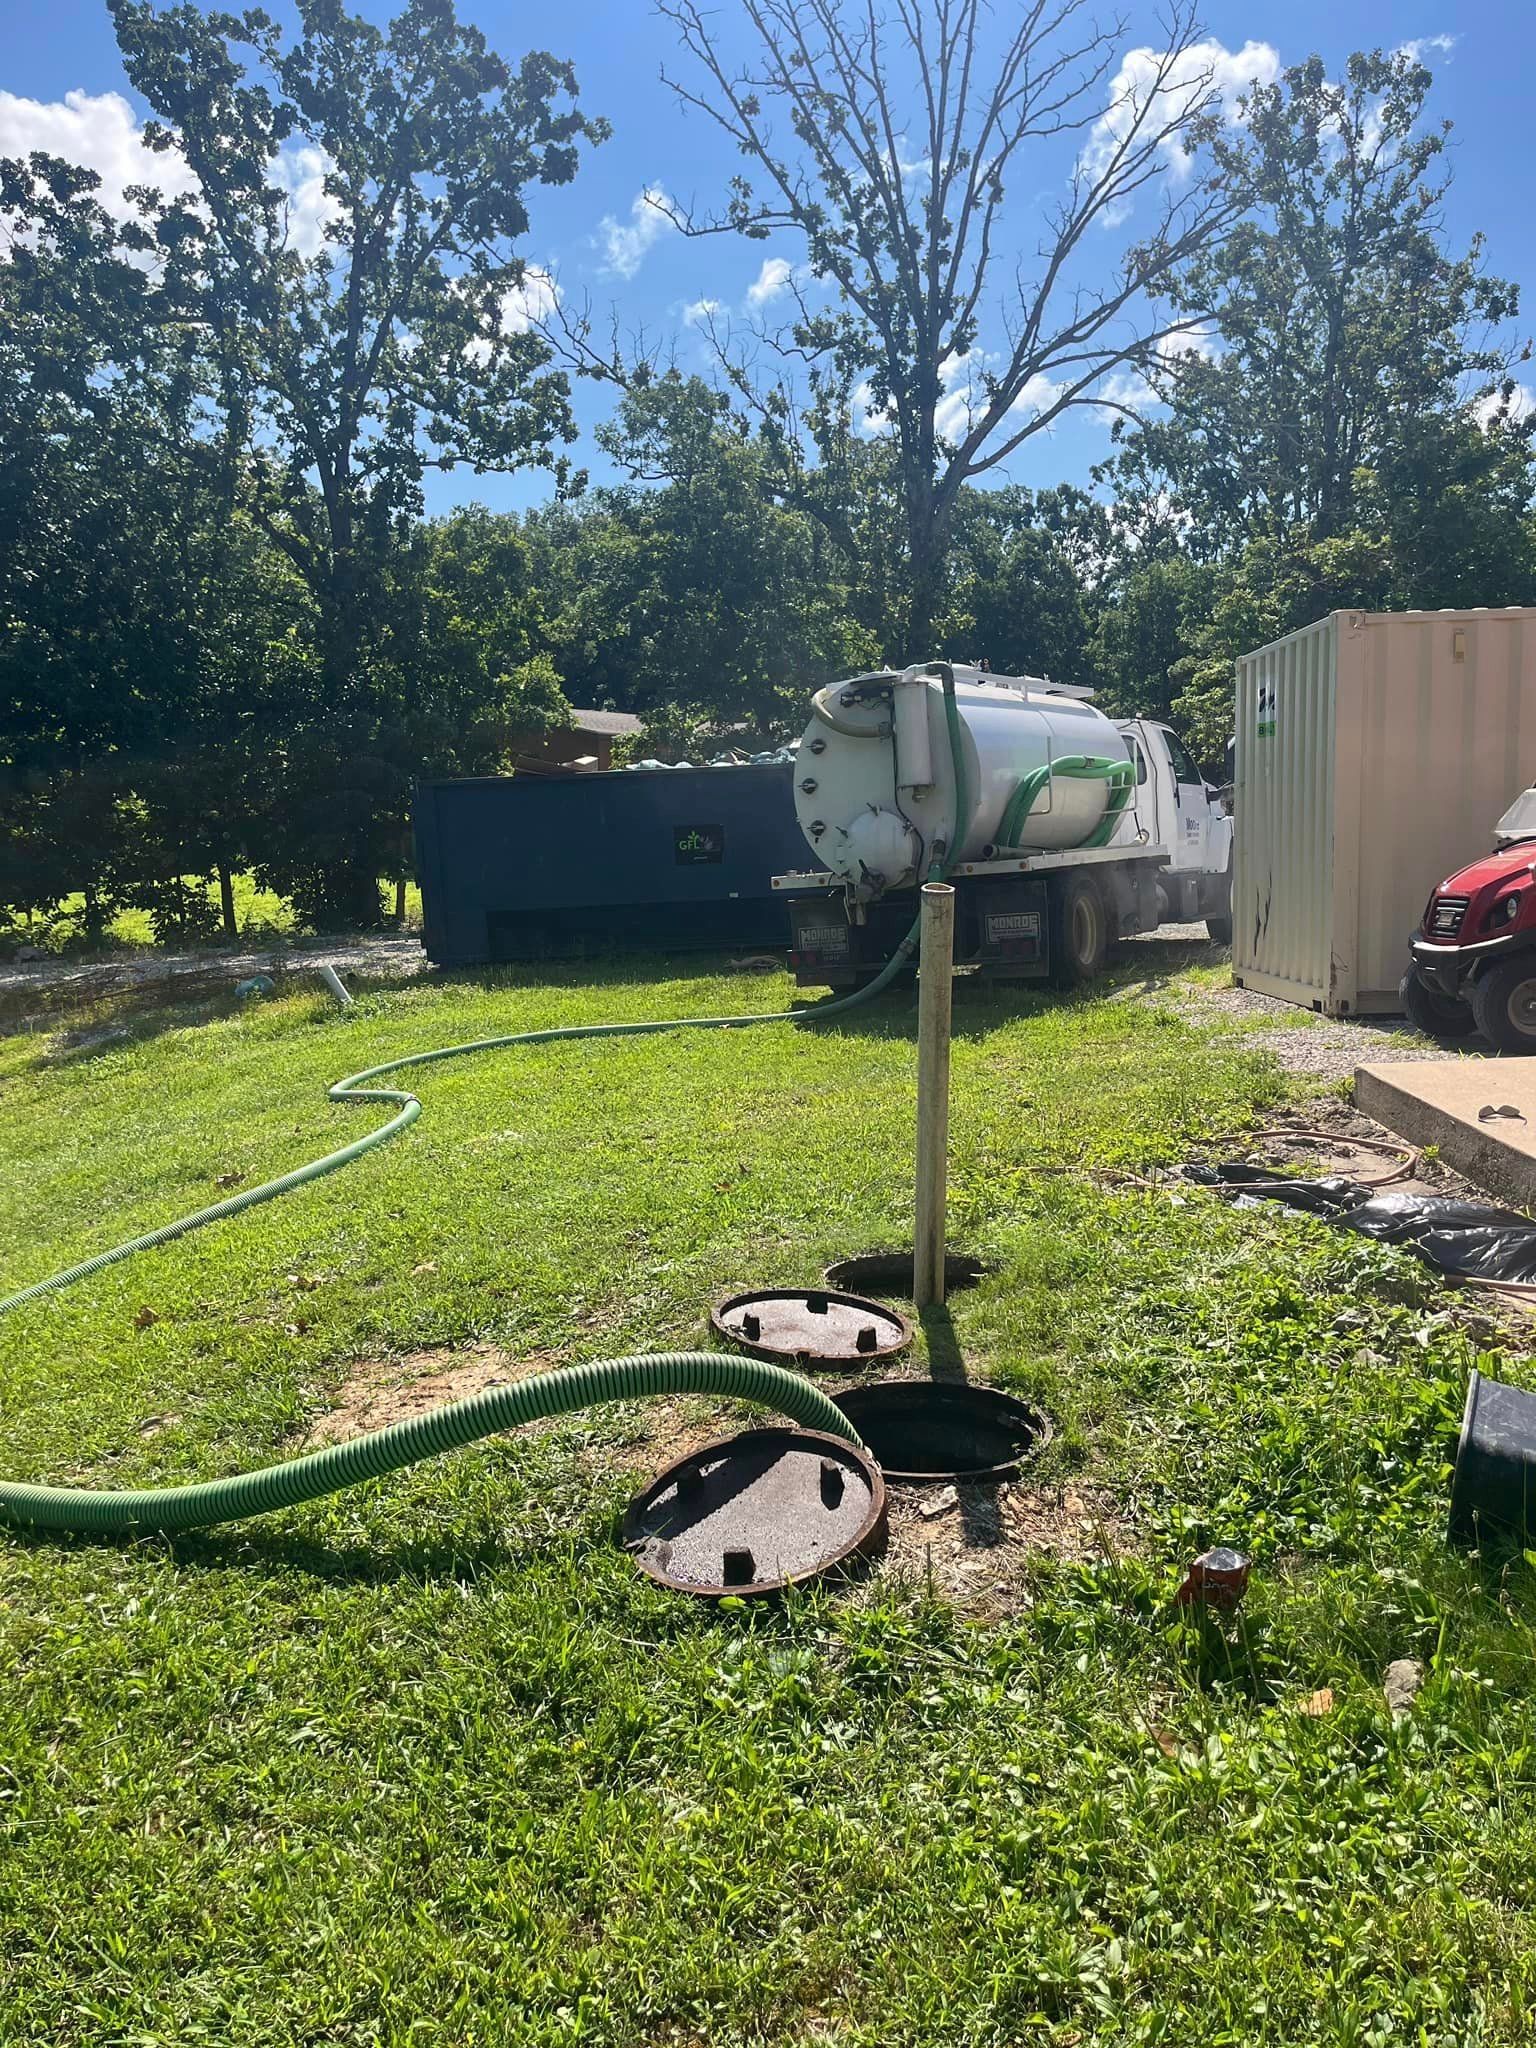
x=462, y=1422
x=424, y=1436
x=1119, y=774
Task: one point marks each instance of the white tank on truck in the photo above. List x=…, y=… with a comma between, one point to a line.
x=875, y=786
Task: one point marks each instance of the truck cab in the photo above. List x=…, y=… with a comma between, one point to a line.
x=1183, y=812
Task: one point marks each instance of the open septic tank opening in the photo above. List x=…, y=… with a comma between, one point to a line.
x=754, y=1513
x=887, y=1273
x=923, y=1431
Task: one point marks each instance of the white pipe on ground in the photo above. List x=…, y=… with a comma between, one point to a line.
x=335, y=984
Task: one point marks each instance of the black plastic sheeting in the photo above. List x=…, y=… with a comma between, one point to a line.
x=1472, y=1240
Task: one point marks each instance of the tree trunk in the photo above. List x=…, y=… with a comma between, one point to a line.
x=400, y=903
x=926, y=549
x=227, y=901
x=95, y=916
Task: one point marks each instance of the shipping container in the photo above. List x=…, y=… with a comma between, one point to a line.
x=523, y=867
x=1375, y=753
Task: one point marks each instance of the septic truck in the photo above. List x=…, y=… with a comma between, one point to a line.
x=1060, y=829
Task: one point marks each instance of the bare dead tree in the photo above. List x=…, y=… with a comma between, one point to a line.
x=889, y=139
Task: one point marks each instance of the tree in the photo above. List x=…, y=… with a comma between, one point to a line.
x=389, y=335
x=1145, y=631
x=693, y=598
x=907, y=134
x=1342, y=322
x=125, y=589
x=1019, y=597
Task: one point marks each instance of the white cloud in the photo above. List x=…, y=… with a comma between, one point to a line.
x=956, y=410
x=701, y=312
x=771, y=280
x=626, y=244
x=1136, y=95
x=1522, y=403
x=530, y=303
x=869, y=419
x=1040, y=393
x=299, y=172
x=526, y=305
x=1418, y=47
x=100, y=131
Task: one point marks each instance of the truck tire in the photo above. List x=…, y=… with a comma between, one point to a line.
x=1219, y=929
x=1504, y=1004
x=1079, y=929
x=1446, y=1019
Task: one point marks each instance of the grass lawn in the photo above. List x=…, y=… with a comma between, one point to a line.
x=428, y=1763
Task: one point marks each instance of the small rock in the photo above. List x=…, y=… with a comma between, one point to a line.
x=1401, y=1685
x=940, y=1504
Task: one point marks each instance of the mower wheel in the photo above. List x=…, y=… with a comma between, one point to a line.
x=1445, y=1018
x=1504, y=1004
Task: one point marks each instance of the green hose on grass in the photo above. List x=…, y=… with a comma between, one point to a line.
x=460, y=1422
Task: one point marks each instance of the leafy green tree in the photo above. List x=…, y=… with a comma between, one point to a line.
x=129, y=621
x=399, y=337
x=458, y=665
x=1145, y=631
x=694, y=598
x=1020, y=582
x=1340, y=320
x=889, y=145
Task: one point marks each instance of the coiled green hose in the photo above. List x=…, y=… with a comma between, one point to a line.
x=1119, y=774
x=461, y=1422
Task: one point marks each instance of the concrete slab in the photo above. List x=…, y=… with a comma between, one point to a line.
x=1439, y=1102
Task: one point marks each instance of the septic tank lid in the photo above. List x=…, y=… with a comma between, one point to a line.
x=752, y=1514
x=812, y=1325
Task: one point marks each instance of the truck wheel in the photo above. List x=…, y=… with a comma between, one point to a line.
x=1079, y=930
x=1445, y=1018
x=1504, y=1004
x=1219, y=929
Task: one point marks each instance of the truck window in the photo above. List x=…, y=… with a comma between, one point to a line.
x=1183, y=762
x=1138, y=757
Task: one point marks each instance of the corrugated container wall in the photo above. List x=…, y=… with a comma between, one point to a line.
x=1375, y=753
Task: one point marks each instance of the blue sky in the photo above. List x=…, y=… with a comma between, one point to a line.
x=584, y=234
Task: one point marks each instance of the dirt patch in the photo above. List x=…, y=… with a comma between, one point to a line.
x=379, y=1391
x=974, y=1546
x=666, y=1430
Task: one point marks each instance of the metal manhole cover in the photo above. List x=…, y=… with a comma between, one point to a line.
x=923, y=1431
x=754, y=1513
x=814, y=1326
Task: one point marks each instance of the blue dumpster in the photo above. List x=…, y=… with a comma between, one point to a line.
x=526, y=867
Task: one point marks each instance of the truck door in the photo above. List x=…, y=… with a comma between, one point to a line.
x=1188, y=833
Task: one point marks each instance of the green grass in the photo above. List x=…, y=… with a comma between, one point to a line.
x=427, y=1763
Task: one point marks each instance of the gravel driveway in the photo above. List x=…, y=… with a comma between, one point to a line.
x=1303, y=1042
x=60, y=984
